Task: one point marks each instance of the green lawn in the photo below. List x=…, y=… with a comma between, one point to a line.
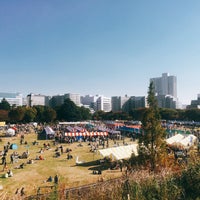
x=34, y=175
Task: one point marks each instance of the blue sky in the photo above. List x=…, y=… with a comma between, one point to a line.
x=109, y=47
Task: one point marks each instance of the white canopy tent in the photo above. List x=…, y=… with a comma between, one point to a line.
x=121, y=152
x=188, y=141
x=175, y=138
x=10, y=132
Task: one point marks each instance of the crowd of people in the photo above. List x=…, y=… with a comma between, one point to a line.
x=55, y=147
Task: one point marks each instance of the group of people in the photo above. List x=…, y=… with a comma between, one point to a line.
x=21, y=192
x=51, y=179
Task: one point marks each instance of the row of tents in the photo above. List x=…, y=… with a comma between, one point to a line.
x=124, y=152
x=182, y=141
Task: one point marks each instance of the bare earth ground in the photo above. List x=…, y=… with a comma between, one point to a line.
x=35, y=175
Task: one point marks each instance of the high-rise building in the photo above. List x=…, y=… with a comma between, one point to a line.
x=118, y=102
x=166, y=90
x=165, y=85
x=14, y=99
x=76, y=98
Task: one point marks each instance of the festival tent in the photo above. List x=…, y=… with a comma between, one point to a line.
x=47, y=133
x=174, y=139
x=10, y=132
x=90, y=134
x=188, y=141
x=13, y=146
x=121, y=152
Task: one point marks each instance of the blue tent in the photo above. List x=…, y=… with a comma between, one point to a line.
x=13, y=146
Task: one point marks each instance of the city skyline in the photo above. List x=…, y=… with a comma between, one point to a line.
x=99, y=47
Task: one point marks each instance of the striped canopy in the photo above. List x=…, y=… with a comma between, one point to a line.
x=91, y=134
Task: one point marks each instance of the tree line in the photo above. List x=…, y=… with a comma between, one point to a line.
x=68, y=111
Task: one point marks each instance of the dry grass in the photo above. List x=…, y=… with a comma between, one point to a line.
x=34, y=175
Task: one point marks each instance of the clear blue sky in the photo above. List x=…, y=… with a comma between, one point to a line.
x=109, y=47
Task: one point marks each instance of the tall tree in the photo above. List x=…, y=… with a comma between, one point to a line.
x=49, y=114
x=16, y=114
x=4, y=105
x=68, y=111
x=30, y=114
x=152, y=141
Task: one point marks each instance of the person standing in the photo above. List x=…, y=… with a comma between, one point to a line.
x=56, y=179
x=22, y=192
x=5, y=166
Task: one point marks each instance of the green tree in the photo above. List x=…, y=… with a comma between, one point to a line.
x=68, y=111
x=85, y=113
x=137, y=114
x=168, y=114
x=30, y=114
x=98, y=115
x=4, y=105
x=16, y=114
x=40, y=110
x=152, y=141
x=192, y=114
x=49, y=114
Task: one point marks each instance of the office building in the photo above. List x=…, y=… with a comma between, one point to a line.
x=165, y=85
x=76, y=98
x=166, y=91
x=166, y=101
x=14, y=99
x=195, y=103
x=103, y=103
x=56, y=100
x=118, y=102
x=37, y=100
x=135, y=102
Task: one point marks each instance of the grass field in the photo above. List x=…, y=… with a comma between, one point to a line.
x=35, y=175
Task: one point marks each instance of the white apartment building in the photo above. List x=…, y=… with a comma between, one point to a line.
x=104, y=104
x=76, y=98
x=14, y=99
x=37, y=100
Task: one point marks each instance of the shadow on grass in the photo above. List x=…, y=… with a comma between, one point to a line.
x=95, y=165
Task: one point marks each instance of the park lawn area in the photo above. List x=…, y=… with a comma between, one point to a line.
x=35, y=175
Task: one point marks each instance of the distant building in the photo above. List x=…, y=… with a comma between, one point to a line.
x=195, y=103
x=76, y=98
x=165, y=85
x=166, y=101
x=135, y=102
x=90, y=100
x=14, y=99
x=166, y=91
x=56, y=100
x=118, y=102
x=37, y=100
x=104, y=104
